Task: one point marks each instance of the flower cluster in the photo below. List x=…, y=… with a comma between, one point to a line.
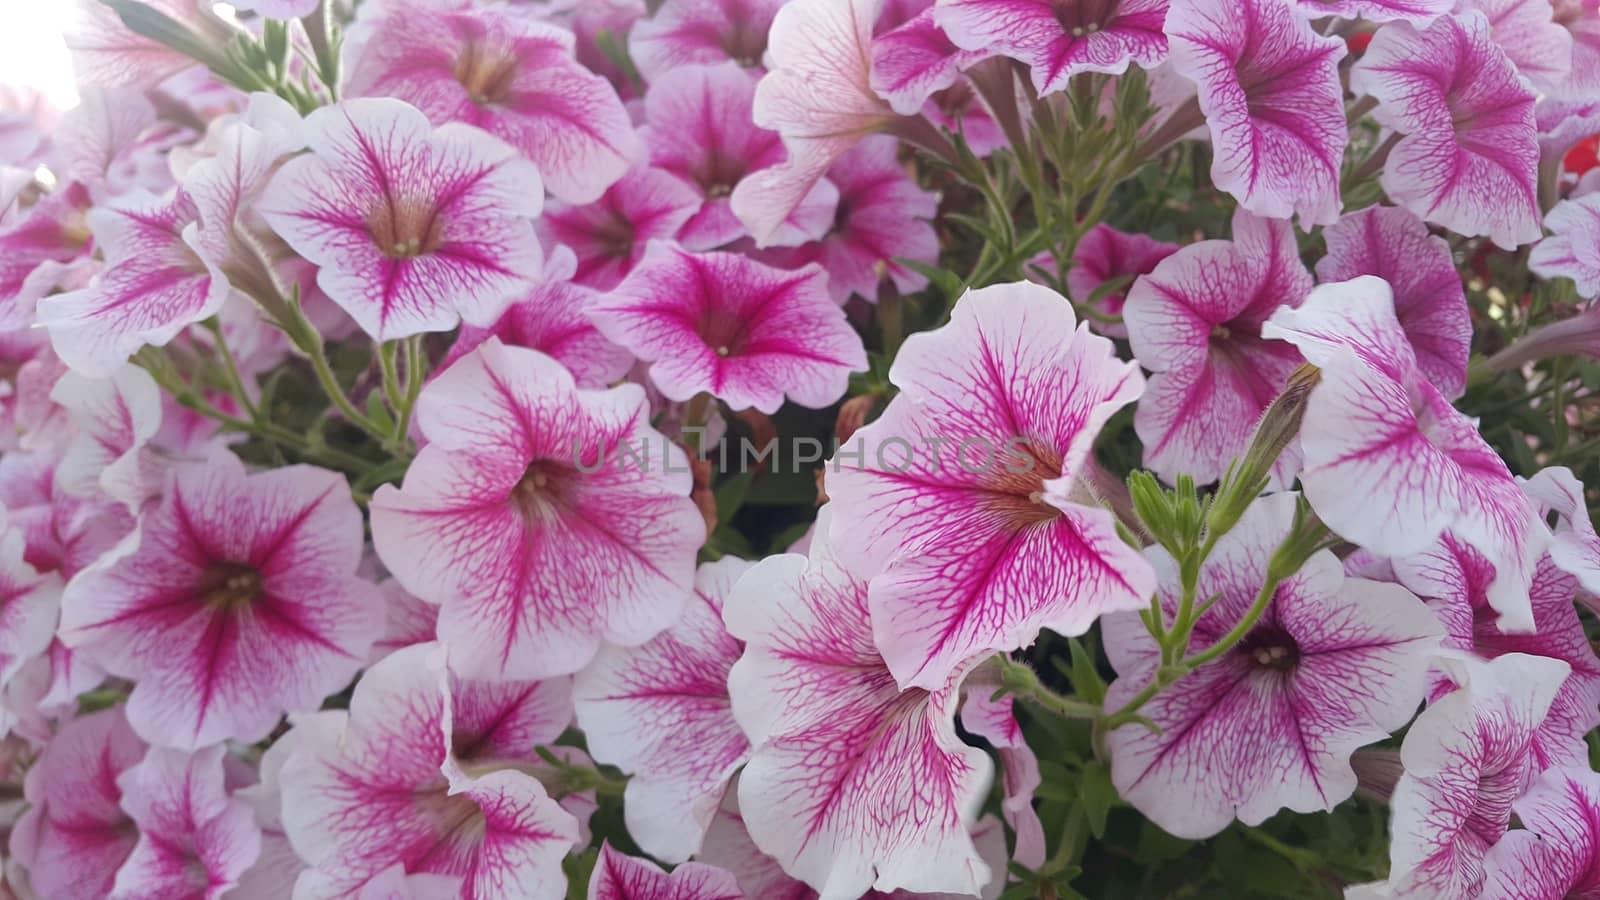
x=402, y=491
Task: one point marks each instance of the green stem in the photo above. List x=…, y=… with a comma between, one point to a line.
x=230, y=370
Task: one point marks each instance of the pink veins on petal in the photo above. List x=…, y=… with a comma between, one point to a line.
x=1469, y=156
x=1060, y=38
x=609, y=236
x=748, y=334
x=701, y=32
x=194, y=840
x=413, y=228
x=1556, y=853
x=542, y=517
x=963, y=501
x=621, y=877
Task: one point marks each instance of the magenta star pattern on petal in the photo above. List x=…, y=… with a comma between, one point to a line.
x=1269, y=87
x=699, y=128
x=819, y=97
x=1467, y=759
x=554, y=319
x=237, y=602
x=621, y=877
x=156, y=283
x=510, y=75
x=609, y=236
x=194, y=840
x=748, y=334
x=964, y=499
x=1389, y=463
x=660, y=712
x=701, y=32
x=75, y=835
x=1395, y=245
x=1060, y=39
x=1469, y=156
x=542, y=518
x=1195, y=321
x=1572, y=250
x=1453, y=579
x=413, y=228
x=1334, y=664
x=1556, y=852
x=852, y=784
x=388, y=782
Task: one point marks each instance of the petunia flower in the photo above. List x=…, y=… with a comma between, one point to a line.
x=1196, y=322
x=1269, y=87
x=1556, y=852
x=996, y=722
x=413, y=228
x=106, y=53
x=1468, y=157
x=64, y=532
x=748, y=334
x=915, y=60
x=1395, y=245
x=277, y=866
x=1526, y=30
x=620, y=877
x=39, y=248
x=156, y=283
x=1578, y=17
x=699, y=128
x=966, y=500
x=1453, y=579
x=237, y=602
x=75, y=835
x=660, y=712
x=554, y=319
x=1576, y=547
x=609, y=236
x=1572, y=250
x=685, y=33
x=30, y=602
x=1419, y=11
x=542, y=518
x=819, y=97
x=116, y=418
x=510, y=75
x=852, y=783
x=1058, y=40
x=423, y=771
x=1467, y=759
x=883, y=217
x=1104, y=254
x=1334, y=663
x=194, y=840
x=1389, y=464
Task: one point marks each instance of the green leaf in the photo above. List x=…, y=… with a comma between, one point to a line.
x=1097, y=795
x=378, y=412
x=730, y=496
x=1083, y=676
x=948, y=282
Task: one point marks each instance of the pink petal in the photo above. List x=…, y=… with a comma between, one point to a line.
x=1103, y=254
x=620, y=877
x=1531, y=39
x=685, y=33
x=1573, y=248
x=116, y=419
x=1057, y=42
x=995, y=722
x=1576, y=548
x=916, y=60
x=194, y=840
x=609, y=236
x=1554, y=854
x=1420, y=12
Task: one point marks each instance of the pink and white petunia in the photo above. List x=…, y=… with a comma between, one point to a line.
x=413, y=228
x=106, y=52
x=1579, y=17
x=1334, y=664
x=30, y=602
x=609, y=236
x=1419, y=11
x=915, y=60
x=819, y=97
x=156, y=283
x=1058, y=40
x=116, y=420
x=1576, y=548
x=1389, y=463
x=996, y=722
x=1556, y=852
x=75, y=834
x=1395, y=245
x=660, y=712
x=65, y=533
x=1526, y=30
x=966, y=500
x=422, y=772
x=236, y=602
x=554, y=319
x=1453, y=579
x=1468, y=157
x=1105, y=254
x=1572, y=250
x=699, y=128
x=510, y=75
x=1196, y=322
x=542, y=518
x=685, y=33
x=749, y=334
x=618, y=876
x=41, y=249
x=1467, y=758
x=883, y=217
x=852, y=784
x=194, y=840
x=1269, y=87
